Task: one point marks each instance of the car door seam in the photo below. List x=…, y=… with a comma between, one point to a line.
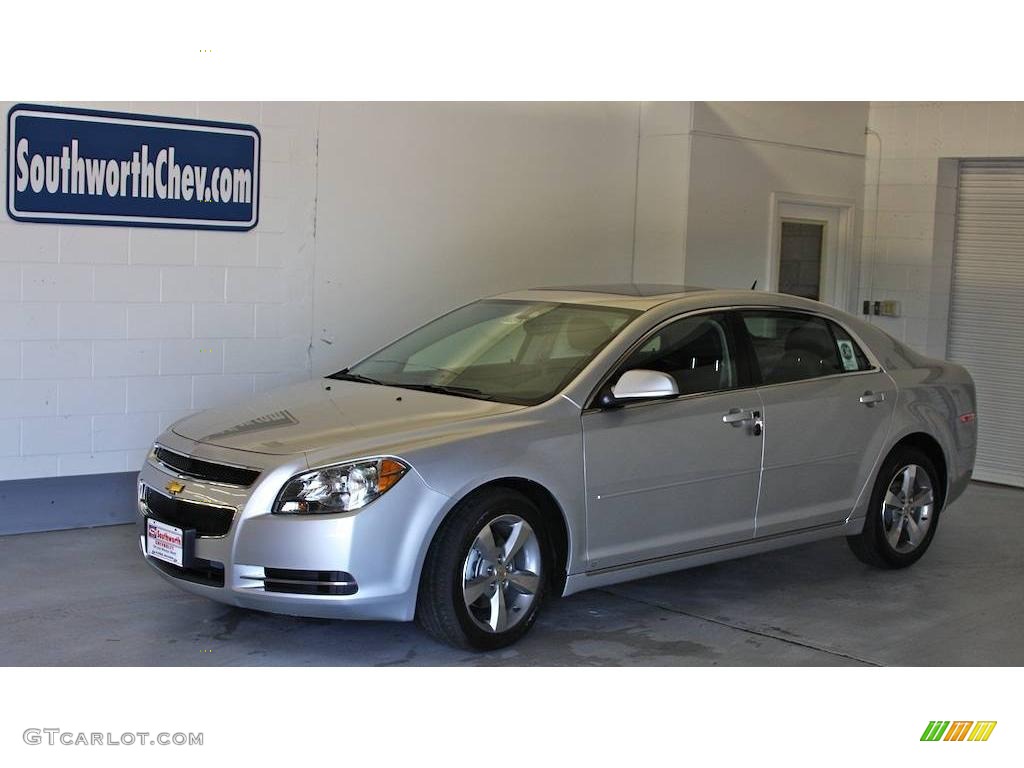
x=882, y=450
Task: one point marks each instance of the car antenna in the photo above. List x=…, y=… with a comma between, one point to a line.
x=754, y=286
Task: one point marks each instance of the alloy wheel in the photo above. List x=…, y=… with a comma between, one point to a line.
x=908, y=508
x=501, y=574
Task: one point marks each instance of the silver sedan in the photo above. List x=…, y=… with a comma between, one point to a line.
x=554, y=440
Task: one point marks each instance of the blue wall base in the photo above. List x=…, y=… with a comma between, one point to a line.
x=57, y=503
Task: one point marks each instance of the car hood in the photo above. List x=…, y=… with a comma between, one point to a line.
x=325, y=412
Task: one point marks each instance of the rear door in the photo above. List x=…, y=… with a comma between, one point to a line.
x=670, y=476
x=827, y=411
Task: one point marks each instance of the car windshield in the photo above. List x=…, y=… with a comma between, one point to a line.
x=512, y=351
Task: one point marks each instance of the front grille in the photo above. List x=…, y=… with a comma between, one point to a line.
x=206, y=470
x=205, y=519
x=200, y=571
x=299, y=582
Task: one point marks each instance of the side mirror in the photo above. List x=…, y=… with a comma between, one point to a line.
x=643, y=384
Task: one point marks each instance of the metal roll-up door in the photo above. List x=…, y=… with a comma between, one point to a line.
x=986, y=323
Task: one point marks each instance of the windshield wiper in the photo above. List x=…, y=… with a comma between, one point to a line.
x=446, y=389
x=344, y=375
x=442, y=389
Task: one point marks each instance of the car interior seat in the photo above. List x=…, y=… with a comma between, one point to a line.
x=809, y=352
x=586, y=332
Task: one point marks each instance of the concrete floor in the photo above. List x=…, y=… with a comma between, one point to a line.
x=85, y=598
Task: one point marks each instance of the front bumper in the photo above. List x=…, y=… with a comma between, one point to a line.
x=368, y=562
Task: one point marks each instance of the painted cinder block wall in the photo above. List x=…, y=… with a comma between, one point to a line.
x=743, y=153
x=910, y=186
x=373, y=217
x=707, y=173
x=109, y=334
x=423, y=207
x=730, y=156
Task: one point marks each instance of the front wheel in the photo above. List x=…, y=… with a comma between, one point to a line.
x=903, y=512
x=485, y=573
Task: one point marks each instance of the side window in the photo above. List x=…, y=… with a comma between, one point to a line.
x=851, y=356
x=790, y=346
x=695, y=351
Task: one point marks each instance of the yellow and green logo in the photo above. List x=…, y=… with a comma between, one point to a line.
x=958, y=730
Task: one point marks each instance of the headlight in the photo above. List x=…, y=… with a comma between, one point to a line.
x=341, y=488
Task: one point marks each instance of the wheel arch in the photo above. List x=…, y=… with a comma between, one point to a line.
x=931, y=447
x=543, y=499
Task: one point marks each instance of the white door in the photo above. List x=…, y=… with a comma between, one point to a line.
x=806, y=252
x=986, y=320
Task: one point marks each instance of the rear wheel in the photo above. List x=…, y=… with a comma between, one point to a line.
x=903, y=512
x=484, y=577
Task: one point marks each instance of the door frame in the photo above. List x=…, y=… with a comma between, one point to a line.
x=835, y=284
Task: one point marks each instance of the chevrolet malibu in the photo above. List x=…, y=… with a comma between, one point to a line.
x=553, y=440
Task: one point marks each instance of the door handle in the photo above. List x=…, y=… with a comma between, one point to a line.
x=869, y=398
x=737, y=416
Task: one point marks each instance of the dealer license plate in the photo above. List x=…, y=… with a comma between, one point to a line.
x=165, y=542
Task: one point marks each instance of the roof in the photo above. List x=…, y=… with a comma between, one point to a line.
x=643, y=297
x=640, y=296
x=627, y=289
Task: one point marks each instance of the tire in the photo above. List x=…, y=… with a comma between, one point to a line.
x=456, y=570
x=888, y=538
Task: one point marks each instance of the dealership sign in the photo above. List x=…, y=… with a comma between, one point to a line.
x=82, y=166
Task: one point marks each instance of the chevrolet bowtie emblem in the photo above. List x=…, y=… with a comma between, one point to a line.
x=174, y=487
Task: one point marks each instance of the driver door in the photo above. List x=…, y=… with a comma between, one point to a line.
x=669, y=476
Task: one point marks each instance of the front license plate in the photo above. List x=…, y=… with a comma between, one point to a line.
x=165, y=542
